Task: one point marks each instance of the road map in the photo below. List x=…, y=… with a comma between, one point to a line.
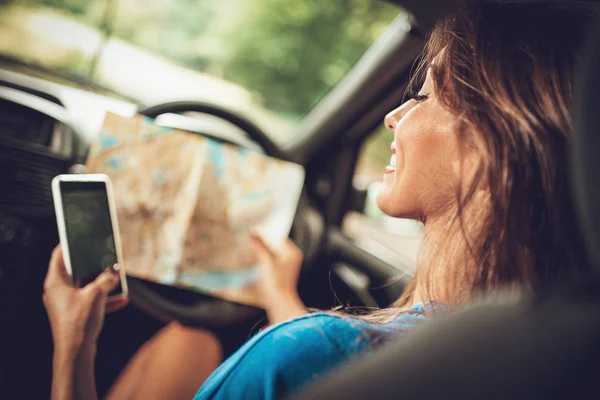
x=187, y=203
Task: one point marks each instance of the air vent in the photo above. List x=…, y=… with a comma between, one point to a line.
x=25, y=180
x=24, y=124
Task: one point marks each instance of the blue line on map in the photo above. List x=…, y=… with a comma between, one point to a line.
x=242, y=153
x=213, y=280
x=162, y=130
x=257, y=195
x=116, y=162
x=159, y=176
x=108, y=141
x=217, y=157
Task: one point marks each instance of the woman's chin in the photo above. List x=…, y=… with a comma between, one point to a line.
x=391, y=203
x=384, y=198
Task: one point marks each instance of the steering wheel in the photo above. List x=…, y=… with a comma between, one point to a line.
x=231, y=116
x=194, y=308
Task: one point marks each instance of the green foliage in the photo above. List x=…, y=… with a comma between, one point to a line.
x=77, y=7
x=292, y=52
x=169, y=28
x=289, y=53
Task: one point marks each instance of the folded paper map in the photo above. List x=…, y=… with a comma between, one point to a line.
x=187, y=205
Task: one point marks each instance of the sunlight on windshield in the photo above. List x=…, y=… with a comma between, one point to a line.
x=273, y=58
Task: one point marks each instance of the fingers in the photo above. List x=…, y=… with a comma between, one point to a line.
x=291, y=254
x=260, y=243
x=263, y=252
x=116, y=304
x=104, y=283
x=288, y=253
x=57, y=274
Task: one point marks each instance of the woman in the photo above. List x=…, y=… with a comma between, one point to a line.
x=479, y=155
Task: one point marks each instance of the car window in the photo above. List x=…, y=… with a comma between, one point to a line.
x=273, y=58
x=395, y=240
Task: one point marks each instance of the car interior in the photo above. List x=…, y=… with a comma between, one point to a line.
x=50, y=115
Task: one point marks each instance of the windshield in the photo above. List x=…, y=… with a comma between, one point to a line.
x=274, y=59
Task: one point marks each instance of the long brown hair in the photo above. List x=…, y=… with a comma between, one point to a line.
x=506, y=71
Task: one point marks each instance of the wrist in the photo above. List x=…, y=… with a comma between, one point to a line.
x=281, y=299
x=66, y=352
x=87, y=352
x=287, y=306
x=285, y=295
x=67, y=342
x=74, y=351
x=291, y=297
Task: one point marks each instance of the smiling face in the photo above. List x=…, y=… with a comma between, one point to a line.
x=425, y=167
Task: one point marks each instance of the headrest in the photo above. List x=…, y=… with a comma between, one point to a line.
x=585, y=152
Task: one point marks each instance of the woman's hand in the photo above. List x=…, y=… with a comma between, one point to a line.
x=278, y=286
x=76, y=314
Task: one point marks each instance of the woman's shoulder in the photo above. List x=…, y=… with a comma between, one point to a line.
x=317, y=324
x=303, y=335
x=326, y=332
x=286, y=355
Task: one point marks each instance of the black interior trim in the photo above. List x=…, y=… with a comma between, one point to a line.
x=426, y=13
x=383, y=66
x=221, y=313
x=38, y=93
x=341, y=174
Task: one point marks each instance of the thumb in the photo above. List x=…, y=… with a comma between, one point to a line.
x=57, y=274
x=264, y=254
x=104, y=283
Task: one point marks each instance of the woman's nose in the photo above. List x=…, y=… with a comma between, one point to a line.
x=391, y=120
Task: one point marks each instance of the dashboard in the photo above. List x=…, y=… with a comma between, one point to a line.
x=46, y=128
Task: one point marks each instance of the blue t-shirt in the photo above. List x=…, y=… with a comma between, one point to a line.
x=286, y=356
